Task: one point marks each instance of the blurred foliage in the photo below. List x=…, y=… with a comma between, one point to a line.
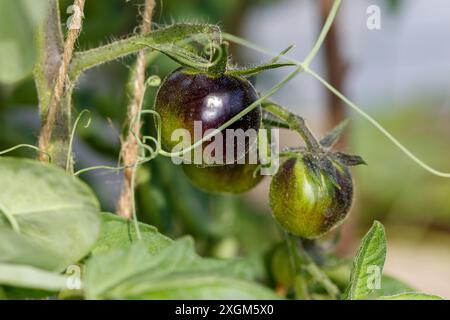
x=393, y=187
x=394, y=5
x=18, y=19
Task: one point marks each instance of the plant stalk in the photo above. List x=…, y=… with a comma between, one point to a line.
x=302, y=264
x=50, y=47
x=300, y=284
x=56, y=115
x=272, y=121
x=130, y=147
x=85, y=60
x=295, y=122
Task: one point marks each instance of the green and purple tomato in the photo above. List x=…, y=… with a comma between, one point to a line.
x=310, y=202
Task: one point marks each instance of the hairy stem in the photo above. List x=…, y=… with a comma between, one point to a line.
x=303, y=263
x=271, y=120
x=295, y=122
x=50, y=46
x=318, y=274
x=300, y=284
x=55, y=131
x=130, y=147
x=88, y=59
x=177, y=34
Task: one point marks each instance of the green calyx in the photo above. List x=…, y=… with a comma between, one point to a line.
x=220, y=61
x=220, y=64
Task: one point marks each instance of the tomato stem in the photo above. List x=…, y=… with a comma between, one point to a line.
x=220, y=61
x=295, y=122
x=270, y=120
x=302, y=263
x=300, y=285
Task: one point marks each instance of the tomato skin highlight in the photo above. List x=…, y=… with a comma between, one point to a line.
x=309, y=204
x=234, y=178
x=185, y=97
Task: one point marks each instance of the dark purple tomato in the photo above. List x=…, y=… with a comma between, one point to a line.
x=186, y=97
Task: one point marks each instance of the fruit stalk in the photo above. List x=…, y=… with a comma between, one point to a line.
x=295, y=122
x=303, y=263
x=130, y=147
x=300, y=285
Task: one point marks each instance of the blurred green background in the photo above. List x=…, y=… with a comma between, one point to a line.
x=414, y=205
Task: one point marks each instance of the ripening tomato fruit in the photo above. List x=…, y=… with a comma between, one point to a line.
x=309, y=198
x=234, y=178
x=186, y=97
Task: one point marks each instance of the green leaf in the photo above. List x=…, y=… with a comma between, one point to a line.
x=272, y=64
x=339, y=270
x=3, y=295
x=31, y=278
x=368, y=263
x=18, y=293
x=411, y=296
x=176, y=272
x=392, y=286
x=282, y=53
x=332, y=137
x=18, y=19
x=117, y=232
x=57, y=214
x=348, y=159
x=108, y=270
x=248, y=72
x=195, y=286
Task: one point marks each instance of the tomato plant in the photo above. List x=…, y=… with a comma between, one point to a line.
x=56, y=241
